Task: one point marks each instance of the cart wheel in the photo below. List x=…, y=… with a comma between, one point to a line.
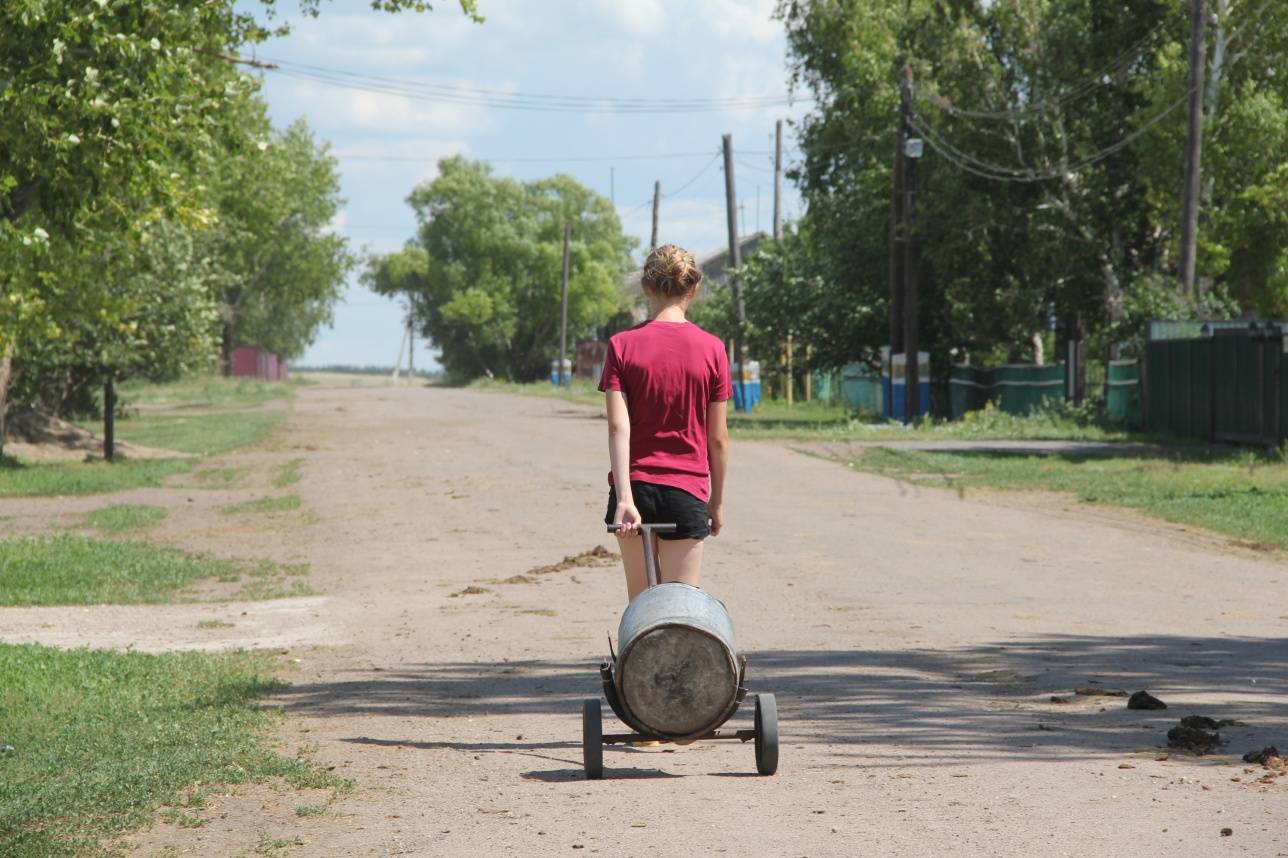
x=766, y=734
x=592, y=739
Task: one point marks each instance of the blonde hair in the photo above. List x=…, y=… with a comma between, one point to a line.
x=671, y=271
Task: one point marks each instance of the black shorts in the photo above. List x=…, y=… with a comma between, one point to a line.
x=666, y=505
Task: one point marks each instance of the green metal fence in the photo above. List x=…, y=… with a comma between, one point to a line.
x=1122, y=391
x=1230, y=386
x=1015, y=389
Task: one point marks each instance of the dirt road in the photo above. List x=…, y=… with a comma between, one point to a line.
x=914, y=639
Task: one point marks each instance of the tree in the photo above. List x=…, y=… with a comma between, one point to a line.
x=280, y=267
x=1050, y=183
x=107, y=111
x=483, y=277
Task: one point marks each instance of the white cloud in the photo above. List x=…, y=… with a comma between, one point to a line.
x=635, y=17
x=742, y=20
x=347, y=110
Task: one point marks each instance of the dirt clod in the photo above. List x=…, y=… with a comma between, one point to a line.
x=1195, y=739
x=1269, y=757
x=1144, y=700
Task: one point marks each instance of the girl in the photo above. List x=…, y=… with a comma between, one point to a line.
x=666, y=384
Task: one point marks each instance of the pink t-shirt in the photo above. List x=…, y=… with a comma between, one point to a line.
x=669, y=373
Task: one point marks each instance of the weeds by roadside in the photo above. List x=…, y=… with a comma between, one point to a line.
x=125, y=517
x=77, y=570
x=1238, y=493
x=101, y=740
x=21, y=479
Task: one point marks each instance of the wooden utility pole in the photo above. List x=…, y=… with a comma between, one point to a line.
x=735, y=262
x=911, y=373
x=563, y=301
x=109, y=420
x=791, y=376
x=778, y=180
x=612, y=186
x=657, y=203
x=896, y=236
x=411, y=347
x=1193, y=149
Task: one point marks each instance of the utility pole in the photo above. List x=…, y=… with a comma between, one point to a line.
x=789, y=381
x=612, y=186
x=1193, y=149
x=411, y=346
x=735, y=262
x=657, y=202
x=896, y=236
x=911, y=373
x=563, y=311
x=778, y=180
x=109, y=420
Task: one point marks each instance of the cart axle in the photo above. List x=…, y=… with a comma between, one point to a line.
x=627, y=738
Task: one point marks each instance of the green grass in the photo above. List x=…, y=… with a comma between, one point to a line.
x=220, y=478
x=201, y=433
x=125, y=517
x=581, y=391
x=823, y=421
x=264, y=506
x=103, y=740
x=77, y=570
x=83, y=478
x=1239, y=494
x=288, y=474
x=203, y=391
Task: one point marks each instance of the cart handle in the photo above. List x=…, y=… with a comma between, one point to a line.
x=652, y=574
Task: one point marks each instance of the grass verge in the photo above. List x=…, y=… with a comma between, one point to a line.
x=1239, y=494
x=203, y=391
x=203, y=433
x=20, y=479
x=824, y=421
x=263, y=506
x=101, y=740
x=288, y=474
x=125, y=517
x=77, y=570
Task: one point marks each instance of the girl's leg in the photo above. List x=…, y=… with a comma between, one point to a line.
x=680, y=559
x=632, y=548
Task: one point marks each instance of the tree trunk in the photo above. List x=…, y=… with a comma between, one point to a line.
x=226, y=343
x=1039, y=348
x=6, y=374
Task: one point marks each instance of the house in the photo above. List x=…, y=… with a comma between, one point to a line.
x=713, y=266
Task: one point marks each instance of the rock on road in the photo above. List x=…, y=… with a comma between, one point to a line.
x=914, y=639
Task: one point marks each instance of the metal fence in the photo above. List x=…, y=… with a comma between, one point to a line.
x=1230, y=385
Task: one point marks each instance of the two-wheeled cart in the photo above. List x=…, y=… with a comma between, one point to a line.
x=676, y=676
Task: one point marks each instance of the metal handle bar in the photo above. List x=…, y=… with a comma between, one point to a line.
x=654, y=528
x=651, y=571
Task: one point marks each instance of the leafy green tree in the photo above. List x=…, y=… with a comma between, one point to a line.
x=483, y=278
x=107, y=111
x=279, y=267
x=1050, y=183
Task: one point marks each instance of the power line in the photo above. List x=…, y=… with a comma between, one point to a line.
x=471, y=96
x=689, y=183
x=570, y=159
x=1004, y=173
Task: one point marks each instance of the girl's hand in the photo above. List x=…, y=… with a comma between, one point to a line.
x=717, y=518
x=628, y=517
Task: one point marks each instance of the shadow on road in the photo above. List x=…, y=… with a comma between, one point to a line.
x=991, y=701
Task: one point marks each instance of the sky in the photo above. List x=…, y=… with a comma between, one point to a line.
x=386, y=143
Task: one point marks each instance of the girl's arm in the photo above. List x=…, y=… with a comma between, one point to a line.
x=619, y=457
x=718, y=459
